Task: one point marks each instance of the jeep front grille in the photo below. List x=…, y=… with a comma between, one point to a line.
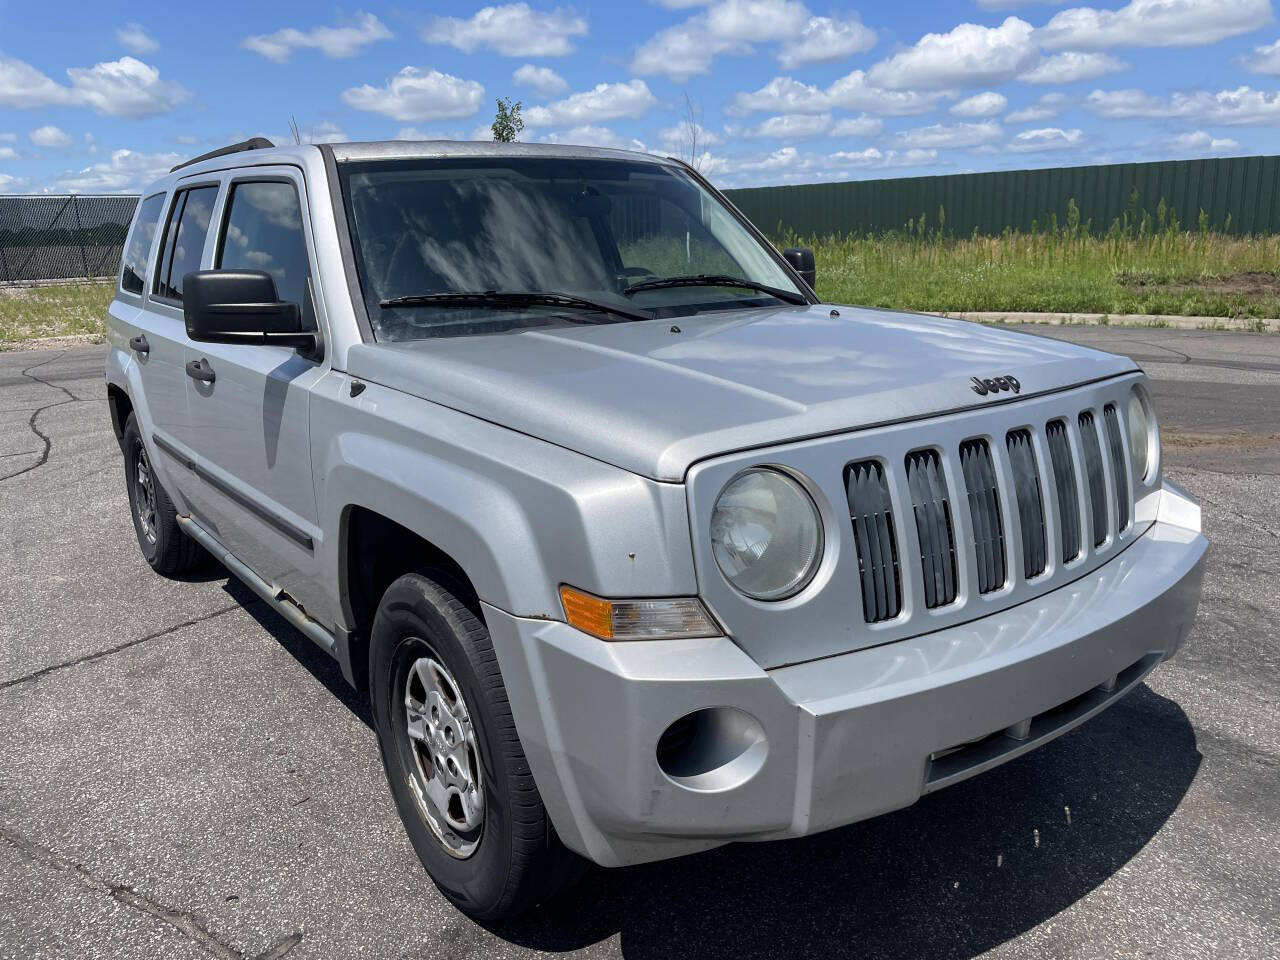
x=1016, y=477
x=933, y=527
x=984, y=512
x=872, y=514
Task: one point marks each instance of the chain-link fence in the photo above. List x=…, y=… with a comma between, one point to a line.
x=62, y=237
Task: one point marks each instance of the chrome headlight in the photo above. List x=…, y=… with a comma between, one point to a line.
x=1144, y=438
x=766, y=535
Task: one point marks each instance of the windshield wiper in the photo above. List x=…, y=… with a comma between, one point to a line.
x=513, y=299
x=714, y=280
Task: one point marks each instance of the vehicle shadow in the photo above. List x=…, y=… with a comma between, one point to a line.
x=953, y=876
x=960, y=872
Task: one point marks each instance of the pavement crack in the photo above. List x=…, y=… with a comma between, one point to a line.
x=183, y=921
x=128, y=644
x=44, y=438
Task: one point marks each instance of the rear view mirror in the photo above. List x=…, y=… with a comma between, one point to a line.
x=241, y=306
x=801, y=260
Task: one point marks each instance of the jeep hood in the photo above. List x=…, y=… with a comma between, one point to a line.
x=654, y=398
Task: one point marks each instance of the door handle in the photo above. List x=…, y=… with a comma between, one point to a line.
x=200, y=370
x=139, y=344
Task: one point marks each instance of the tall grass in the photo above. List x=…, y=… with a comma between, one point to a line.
x=1151, y=266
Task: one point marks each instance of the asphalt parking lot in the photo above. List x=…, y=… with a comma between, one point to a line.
x=183, y=775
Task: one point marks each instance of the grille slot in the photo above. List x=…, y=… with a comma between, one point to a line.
x=1121, y=479
x=933, y=527
x=1093, y=470
x=984, y=511
x=872, y=515
x=1026, y=485
x=1064, y=481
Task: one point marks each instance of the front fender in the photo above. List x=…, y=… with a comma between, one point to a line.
x=519, y=515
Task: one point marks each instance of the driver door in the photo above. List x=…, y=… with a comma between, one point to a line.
x=249, y=404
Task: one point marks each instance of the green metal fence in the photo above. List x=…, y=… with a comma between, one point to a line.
x=1239, y=195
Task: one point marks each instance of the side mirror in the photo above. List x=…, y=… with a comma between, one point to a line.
x=801, y=260
x=241, y=306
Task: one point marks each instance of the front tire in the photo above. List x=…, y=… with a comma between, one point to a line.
x=453, y=759
x=165, y=547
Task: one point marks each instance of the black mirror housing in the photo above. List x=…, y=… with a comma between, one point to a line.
x=240, y=306
x=801, y=260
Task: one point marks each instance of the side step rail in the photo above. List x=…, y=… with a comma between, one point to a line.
x=277, y=598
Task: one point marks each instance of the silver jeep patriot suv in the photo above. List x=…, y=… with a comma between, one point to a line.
x=635, y=546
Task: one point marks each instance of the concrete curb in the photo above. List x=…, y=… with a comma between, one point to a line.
x=1242, y=325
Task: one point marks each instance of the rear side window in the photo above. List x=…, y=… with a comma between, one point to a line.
x=133, y=273
x=184, y=239
x=264, y=232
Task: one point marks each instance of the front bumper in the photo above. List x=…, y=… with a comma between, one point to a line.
x=845, y=737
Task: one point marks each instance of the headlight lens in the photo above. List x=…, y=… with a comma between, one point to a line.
x=1142, y=433
x=766, y=534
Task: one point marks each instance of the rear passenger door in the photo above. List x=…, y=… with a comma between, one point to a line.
x=249, y=424
x=159, y=345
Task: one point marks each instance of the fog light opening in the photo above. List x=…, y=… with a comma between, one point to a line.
x=718, y=748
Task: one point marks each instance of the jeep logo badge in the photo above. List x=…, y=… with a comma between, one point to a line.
x=995, y=385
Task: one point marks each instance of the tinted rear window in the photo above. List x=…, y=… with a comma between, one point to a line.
x=133, y=274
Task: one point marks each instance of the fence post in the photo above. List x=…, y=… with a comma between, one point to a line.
x=84, y=257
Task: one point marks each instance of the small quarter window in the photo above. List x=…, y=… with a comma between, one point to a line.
x=264, y=232
x=133, y=272
x=180, y=254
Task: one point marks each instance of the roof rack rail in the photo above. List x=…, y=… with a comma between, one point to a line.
x=253, y=143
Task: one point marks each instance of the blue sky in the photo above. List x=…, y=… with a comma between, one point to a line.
x=96, y=100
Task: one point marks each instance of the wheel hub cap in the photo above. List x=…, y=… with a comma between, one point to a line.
x=446, y=774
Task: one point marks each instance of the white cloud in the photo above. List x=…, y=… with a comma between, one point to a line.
x=859, y=126
x=1264, y=59
x=542, y=80
x=8, y=153
x=49, y=136
x=824, y=39
x=1047, y=138
x=135, y=39
x=850, y=92
x=1072, y=66
x=418, y=94
x=123, y=88
x=789, y=165
x=787, y=126
x=337, y=42
x=1047, y=107
x=125, y=172
x=513, y=30
x=968, y=56
x=1154, y=23
x=1243, y=105
x=1015, y=4
x=1199, y=142
x=117, y=88
x=8, y=137
x=606, y=101
x=951, y=135
x=986, y=104
x=729, y=26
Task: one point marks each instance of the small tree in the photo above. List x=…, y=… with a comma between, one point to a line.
x=691, y=133
x=507, y=122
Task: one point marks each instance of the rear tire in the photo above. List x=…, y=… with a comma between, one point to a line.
x=164, y=546
x=453, y=758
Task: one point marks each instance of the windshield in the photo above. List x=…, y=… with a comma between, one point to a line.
x=587, y=230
